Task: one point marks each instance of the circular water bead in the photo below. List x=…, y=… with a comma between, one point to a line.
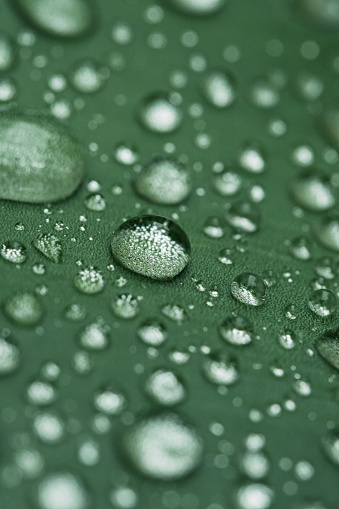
x=254, y=496
x=7, y=53
x=23, y=308
x=163, y=181
x=313, y=191
x=49, y=427
x=213, y=228
x=163, y=447
x=323, y=303
x=152, y=332
x=159, y=114
x=327, y=233
x=324, y=13
x=39, y=160
x=165, y=388
x=254, y=464
x=219, y=89
x=88, y=77
x=41, y=393
x=14, y=252
x=220, y=369
x=249, y=289
x=227, y=183
x=152, y=246
x=75, y=312
x=9, y=356
x=109, y=401
x=251, y=158
x=197, y=7
x=89, y=281
x=236, y=330
x=244, y=216
x=328, y=347
x=64, y=18
x=125, y=306
x=264, y=95
x=62, y=490
x=309, y=86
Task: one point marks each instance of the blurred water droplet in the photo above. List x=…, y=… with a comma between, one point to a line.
x=9, y=356
x=327, y=232
x=301, y=248
x=264, y=95
x=152, y=246
x=244, y=216
x=126, y=153
x=95, y=202
x=254, y=496
x=249, y=289
x=158, y=114
x=219, y=89
x=152, y=333
x=7, y=53
x=165, y=388
x=125, y=306
x=287, y=339
x=88, y=77
x=313, y=191
x=49, y=426
x=89, y=281
x=330, y=443
x=23, y=308
x=236, y=330
x=220, y=369
x=109, y=401
x=95, y=336
x=227, y=183
x=213, y=228
x=197, y=7
x=14, y=252
x=62, y=491
x=251, y=158
x=328, y=347
x=174, y=312
x=41, y=393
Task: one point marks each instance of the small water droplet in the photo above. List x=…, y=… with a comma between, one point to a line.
x=89, y=281
x=125, y=306
x=323, y=303
x=23, y=308
x=249, y=289
x=244, y=216
x=313, y=191
x=50, y=246
x=62, y=490
x=158, y=114
x=165, y=388
x=236, y=330
x=219, y=89
x=152, y=332
x=220, y=369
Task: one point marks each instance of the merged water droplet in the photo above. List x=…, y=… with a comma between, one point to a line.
x=50, y=246
x=163, y=447
x=220, y=369
x=89, y=281
x=158, y=114
x=312, y=190
x=39, y=160
x=65, y=18
x=152, y=246
x=244, y=216
x=165, y=388
x=236, y=330
x=323, y=303
x=23, y=308
x=62, y=490
x=328, y=347
x=197, y=7
x=14, y=252
x=219, y=89
x=163, y=181
x=249, y=289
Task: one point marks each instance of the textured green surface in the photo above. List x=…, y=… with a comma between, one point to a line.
x=249, y=25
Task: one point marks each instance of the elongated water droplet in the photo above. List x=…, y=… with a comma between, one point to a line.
x=152, y=246
x=7, y=53
x=39, y=160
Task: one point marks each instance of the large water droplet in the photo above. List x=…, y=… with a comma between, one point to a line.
x=219, y=90
x=323, y=303
x=64, y=18
x=249, y=289
x=236, y=330
x=163, y=447
x=313, y=191
x=158, y=114
x=152, y=246
x=39, y=161
x=163, y=181
x=23, y=308
x=62, y=491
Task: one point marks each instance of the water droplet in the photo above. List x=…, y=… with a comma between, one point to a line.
x=50, y=246
x=65, y=18
x=330, y=443
x=301, y=248
x=89, y=77
x=89, y=281
x=313, y=191
x=254, y=496
x=219, y=89
x=39, y=161
x=7, y=53
x=227, y=183
x=49, y=427
x=328, y=347
x=254, y=464
x=124, y=497
x=8, y=89
x=264, y=95
x=270, y=277
x=23, y=308
x=213, y=228
x=62, y=491
x=152, y=333
x=165, y=388
x=249, y=289
x=220, y=369
x=325, y=267
x=244, y=216
x=323, y=303
x=302, y=388
x=95, y=336
x=327, y=233
x=163, y=181
x=236, y=330
x=152, y=246
x=75, y=312
x=197, y=7
x=251, y=158
x=126, y=154
x=163, y=447
x=41, y=393
x=174, y=312
x=109, y=401
x=125, y=306
x=225, y=256
x=158, y=114
x=14, y=252
x=9, y=356
x=287, y=339
x=95, y=202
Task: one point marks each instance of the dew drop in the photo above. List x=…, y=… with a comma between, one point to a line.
x=220, y=369
x=213, y=228
x=254, y=496
x=158, y=114
x=227, y=183
x=163, y=181
x=174, y=312
x=14, y=252
x=219, y=89
x=39, y=161
x=165, y=388
x=41, y=393
x=95, y=202
x=287, y=339
x=249, y=289
x=89, y=281
x=7, y=53
x=323, y=303
x=236, y=330
x=301, y=248
x=49, y=427
x=109, y=401
x=95, y=336
x=254, y=464
x=9, y=356
x=264, y=95
x=23, y=308
x=313, y=191
x=244, y=216
x=152, y=246
x=330, y=443
x=125, y=306
x=163, y=447
x=64, y=18
x=126, y=154
x=152, y=333
x=251, y=158
x=88, y=77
